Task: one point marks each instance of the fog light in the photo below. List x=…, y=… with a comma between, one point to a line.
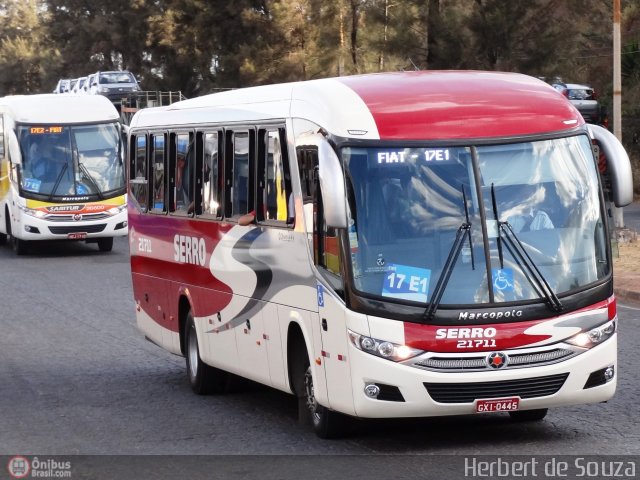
x=609, y=373
x=371, y=390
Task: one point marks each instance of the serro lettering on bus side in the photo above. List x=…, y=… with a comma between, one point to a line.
x=475, y=332
x=189, y=249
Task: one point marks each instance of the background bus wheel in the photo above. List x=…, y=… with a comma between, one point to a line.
x=326, y=423
x=204, y=379
x=528, y=415
x=105, y=244
x=21, y=247
x=7, y=224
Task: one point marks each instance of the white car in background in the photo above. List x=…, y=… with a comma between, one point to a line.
x=80, y=87
x=62, y=86
x=113, y=85
x=584, y=98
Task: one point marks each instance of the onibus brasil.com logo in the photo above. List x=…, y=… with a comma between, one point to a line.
x=21, y=467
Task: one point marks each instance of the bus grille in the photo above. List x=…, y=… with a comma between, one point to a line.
x=69, y=217
x=469, y=392
x=77, y=229
x=479, y=362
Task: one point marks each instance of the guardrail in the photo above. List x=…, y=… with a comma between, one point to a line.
x=134, y=101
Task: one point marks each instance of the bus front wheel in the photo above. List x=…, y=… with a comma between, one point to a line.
x=7, y=222
x=204, y=379
x=21, y=247
x=325, y=422
x=105, y=244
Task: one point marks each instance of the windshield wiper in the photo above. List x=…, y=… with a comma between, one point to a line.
x=91, y=180
x=463, y=230
x=524, y=261
x=58, y=180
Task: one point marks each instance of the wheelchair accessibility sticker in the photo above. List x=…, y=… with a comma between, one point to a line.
x=502, y=279
x=320, y=296
x=407, y=283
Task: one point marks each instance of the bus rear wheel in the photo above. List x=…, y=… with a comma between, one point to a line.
x=3, y=238
x=529, y=415
x=325, y=422
x=204, y=379
x=105, y=244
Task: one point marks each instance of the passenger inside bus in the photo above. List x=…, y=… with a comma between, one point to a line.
x=531, y=206
x=183, y=199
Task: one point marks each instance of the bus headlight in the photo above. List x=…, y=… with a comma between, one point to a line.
x=116, y=210
x=594, y=336
x=382, y=348
x=32, y=212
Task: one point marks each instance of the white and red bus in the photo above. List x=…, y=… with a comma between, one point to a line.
x=390, y=245
x=62, y=174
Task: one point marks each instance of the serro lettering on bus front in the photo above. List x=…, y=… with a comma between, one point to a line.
x=188, y=249
x=475, y=332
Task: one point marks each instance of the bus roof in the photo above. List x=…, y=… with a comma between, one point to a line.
x=58, y=108
x=424, y=105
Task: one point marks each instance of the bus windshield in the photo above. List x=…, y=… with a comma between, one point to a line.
x=413, y=210
x=78, y=160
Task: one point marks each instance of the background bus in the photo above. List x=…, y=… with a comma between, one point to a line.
x=61, y=170
x=392, y=245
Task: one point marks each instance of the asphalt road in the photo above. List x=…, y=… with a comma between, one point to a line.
x=631, y=216
x=76, y=377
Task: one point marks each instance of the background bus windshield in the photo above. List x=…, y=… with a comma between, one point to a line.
x=408, y=204
x=61, y=161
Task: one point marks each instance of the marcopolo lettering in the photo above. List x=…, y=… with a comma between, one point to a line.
x=188, y=249
x=475, y=332
x=489, y=315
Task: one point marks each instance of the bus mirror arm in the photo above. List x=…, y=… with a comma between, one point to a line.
x=618, y=165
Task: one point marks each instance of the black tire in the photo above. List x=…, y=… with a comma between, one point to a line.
x=105, y=244
x=204, y=379
x=21, y=247
x=7, y=223
x=529, y=415
x=325, y=422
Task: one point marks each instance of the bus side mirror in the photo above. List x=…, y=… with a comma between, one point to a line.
x=618, y=165
x=334, y=199
x=14, y=149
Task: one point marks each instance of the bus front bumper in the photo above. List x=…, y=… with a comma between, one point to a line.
x=418, y=387
x=32, y=228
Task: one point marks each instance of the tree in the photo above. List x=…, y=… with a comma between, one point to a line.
x=26, y=54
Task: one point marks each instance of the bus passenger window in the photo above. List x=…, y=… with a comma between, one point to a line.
x=211, y=177
x=276, y=191
x=139, y=189
x=158, y=174
x=1, y=136
x=184, y=158
x=240, y=191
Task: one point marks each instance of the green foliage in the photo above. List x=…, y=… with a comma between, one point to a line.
x=26, y=54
